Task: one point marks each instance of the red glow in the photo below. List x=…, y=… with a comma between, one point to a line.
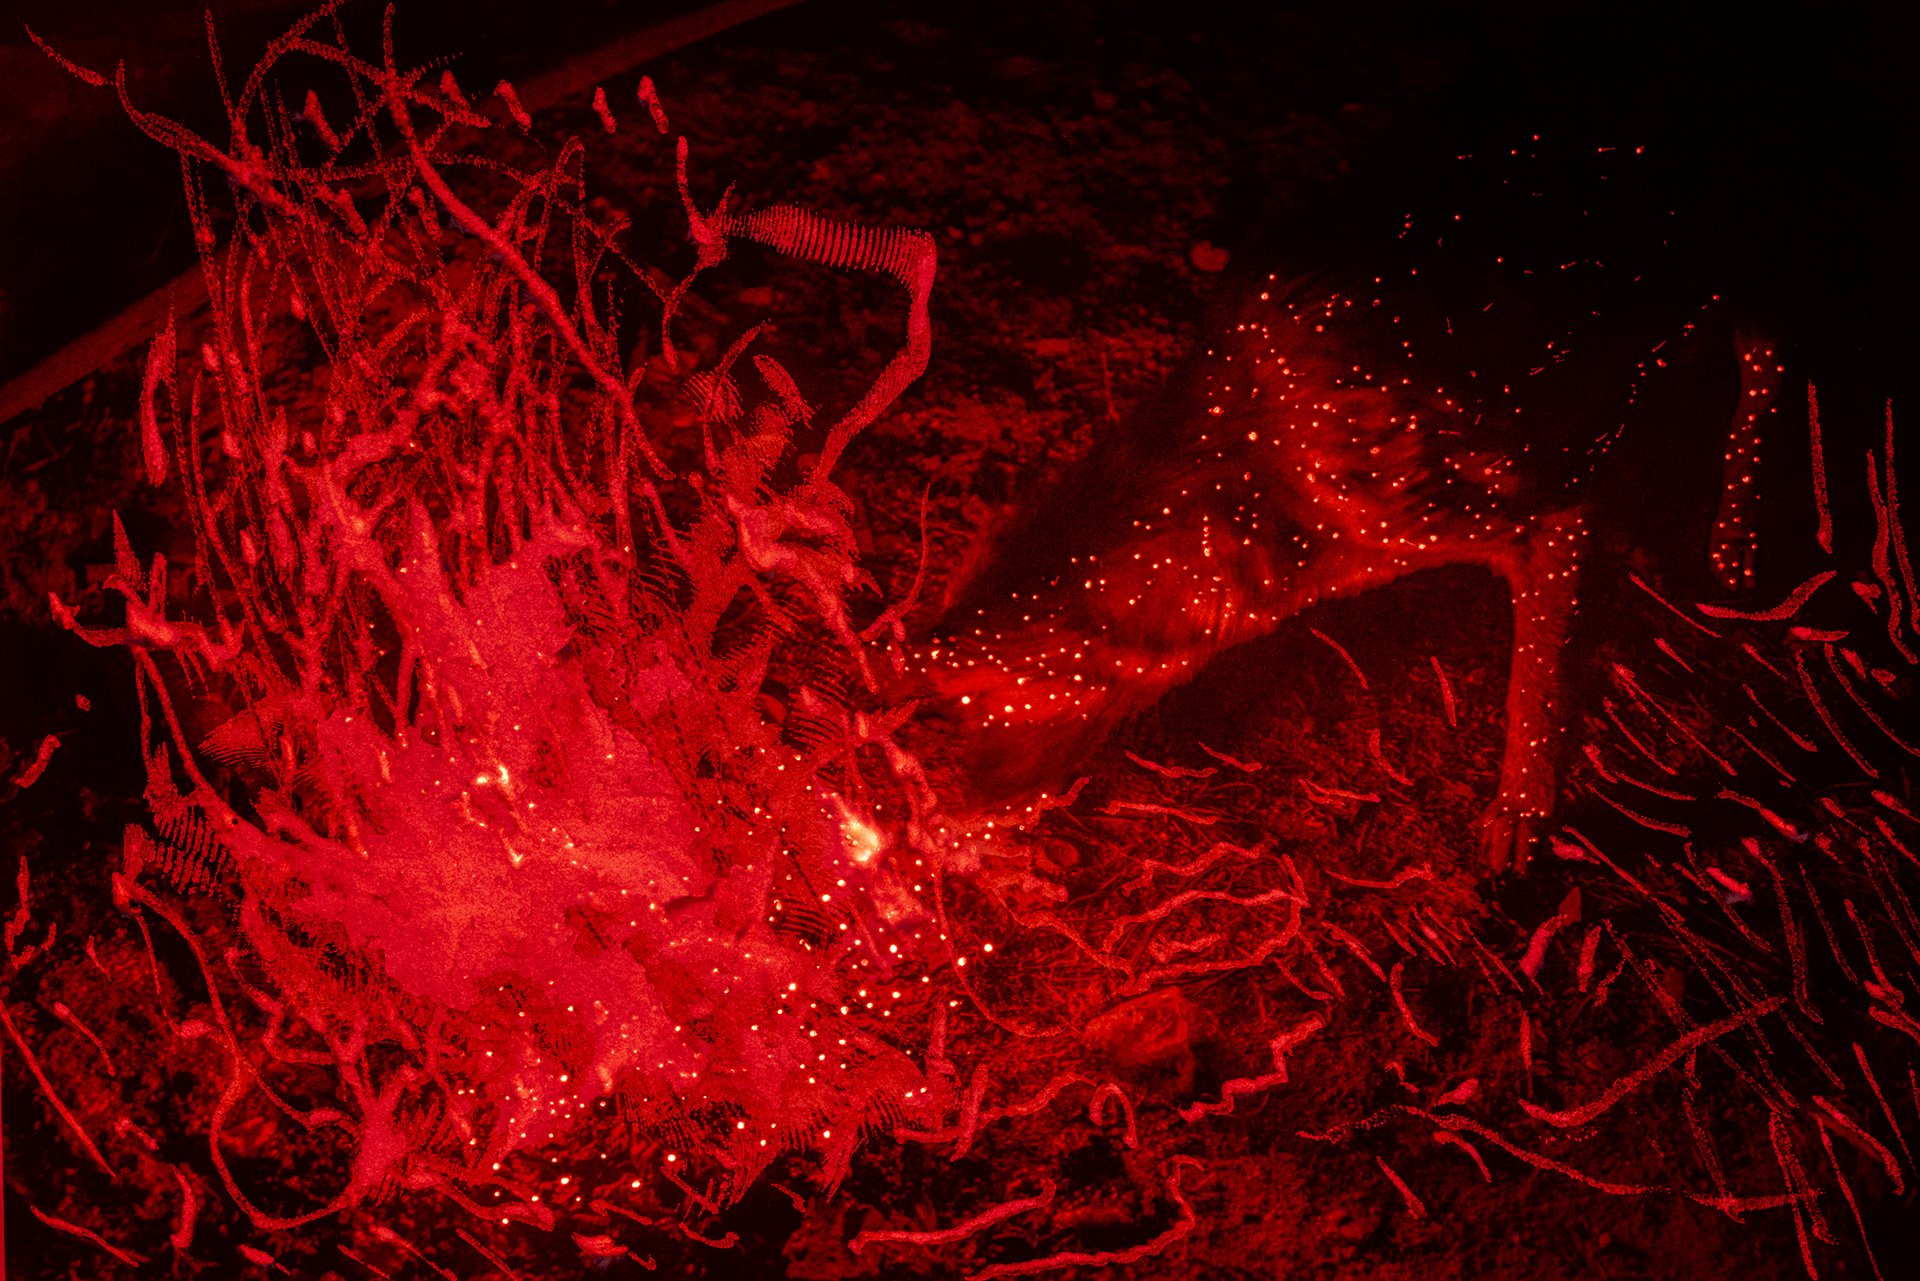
x=554, y=842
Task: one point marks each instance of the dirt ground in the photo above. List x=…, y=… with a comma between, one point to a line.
x=1100, y=181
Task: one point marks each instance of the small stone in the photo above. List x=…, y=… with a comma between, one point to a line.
x=1208, y=257
x=1160, y=1027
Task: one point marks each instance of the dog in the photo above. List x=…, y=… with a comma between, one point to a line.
x=1344, y=430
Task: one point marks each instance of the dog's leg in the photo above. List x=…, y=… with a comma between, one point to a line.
x=1735, y=536
x=1542, y=575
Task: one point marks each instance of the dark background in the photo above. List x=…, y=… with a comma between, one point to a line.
x=1785, y=137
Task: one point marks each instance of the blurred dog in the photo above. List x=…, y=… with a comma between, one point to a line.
x=1345, y=430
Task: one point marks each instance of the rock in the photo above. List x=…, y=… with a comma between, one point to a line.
x=1159, y=1028
x=1208, y=257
